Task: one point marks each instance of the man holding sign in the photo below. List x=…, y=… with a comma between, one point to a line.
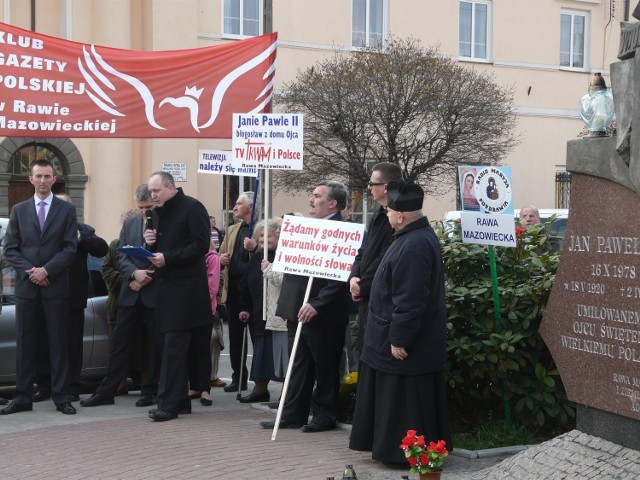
x=324, y=319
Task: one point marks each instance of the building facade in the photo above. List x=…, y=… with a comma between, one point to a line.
x=545, y=50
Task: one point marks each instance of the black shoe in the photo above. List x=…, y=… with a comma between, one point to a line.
x=75, y=398
x=314, y=427
x=66, y=408
x=283, y=424
x=40, y=396
x=207, y=402
x=3, y=401
x=96, y=399
x=146, y=400
x=254, y=397
x=16, y=407
x=233, y=387
x=161, y=415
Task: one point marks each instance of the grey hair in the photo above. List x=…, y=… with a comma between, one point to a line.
x=142, y=193
x=337, y=192
x=248, y=196
x=272, y=224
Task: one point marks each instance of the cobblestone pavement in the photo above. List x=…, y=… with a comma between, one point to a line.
x=222, y=441
x=225, y=441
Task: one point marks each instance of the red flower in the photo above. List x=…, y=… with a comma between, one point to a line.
x=519, y=232
x=424, y=459
x=412, y=461
x=420, y=441
x=408, y=442
x=411, y=433
x=439, y=447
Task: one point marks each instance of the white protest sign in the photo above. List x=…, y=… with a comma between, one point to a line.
x=268, y=140
x=317, y=248
x=483, y=229
x=221, y=162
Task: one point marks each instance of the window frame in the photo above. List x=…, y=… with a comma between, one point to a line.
x=367, y=33
x=489, y=32
x=241, y=34
x=587, y=34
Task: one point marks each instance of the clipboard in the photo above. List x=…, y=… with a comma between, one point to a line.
x=139, y=253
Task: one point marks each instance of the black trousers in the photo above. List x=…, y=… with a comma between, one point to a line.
x=38, y=318
x=174, y=385
x=127, y=322
x=199, y=361
x=76, y=339
x=236, y=333
x=317, y=361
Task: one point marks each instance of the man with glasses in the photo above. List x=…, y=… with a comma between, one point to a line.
x=376, y=242
x=135, y=307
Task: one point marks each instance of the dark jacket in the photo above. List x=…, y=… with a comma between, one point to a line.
x=88, y=244
x=251, y=293
x=25, y=246
x=407, y=305
x=113, y=280
x=183, y=236
x=131, y=234
x=330, y=298
x=372, y=250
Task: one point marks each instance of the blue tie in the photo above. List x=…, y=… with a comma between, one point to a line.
x=41, y=214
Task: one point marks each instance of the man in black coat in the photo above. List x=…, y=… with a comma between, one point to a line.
x=324, y=319
x=40, y=244
x=401, y=384
x=376, y=242
x=180, y=240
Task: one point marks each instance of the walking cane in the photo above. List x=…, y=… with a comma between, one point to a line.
x=244, y=349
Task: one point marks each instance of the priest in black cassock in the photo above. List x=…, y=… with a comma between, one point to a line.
x=401, y=382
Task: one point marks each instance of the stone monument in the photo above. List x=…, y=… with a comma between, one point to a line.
x=592, y=321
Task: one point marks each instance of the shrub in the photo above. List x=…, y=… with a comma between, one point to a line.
x=492, y=365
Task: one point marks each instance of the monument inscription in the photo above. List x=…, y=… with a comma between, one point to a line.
x=592, y=322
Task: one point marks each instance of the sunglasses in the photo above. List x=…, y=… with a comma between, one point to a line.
x=375, y=184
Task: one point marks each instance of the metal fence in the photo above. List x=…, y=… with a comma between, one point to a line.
x=563, y=188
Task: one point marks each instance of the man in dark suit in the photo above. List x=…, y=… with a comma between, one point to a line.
x=88, y=244
x=180, y=240
x=375, y=244
x=40, y=244
x=324, y=319
x=136, y=307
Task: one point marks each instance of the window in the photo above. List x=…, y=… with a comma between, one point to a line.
x=242, y=17
x=573, y=36
x=475, y=17
x=368, y=23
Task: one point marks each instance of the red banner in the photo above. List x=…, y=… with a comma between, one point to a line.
x=50, y=87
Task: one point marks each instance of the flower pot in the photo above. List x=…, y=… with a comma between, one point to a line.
x=430, y=476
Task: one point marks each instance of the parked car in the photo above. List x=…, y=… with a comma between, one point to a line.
x=94, y=365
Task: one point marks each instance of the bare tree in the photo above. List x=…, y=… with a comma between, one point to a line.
x=407, y=105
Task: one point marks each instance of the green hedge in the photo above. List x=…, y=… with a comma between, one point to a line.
x=492, y=365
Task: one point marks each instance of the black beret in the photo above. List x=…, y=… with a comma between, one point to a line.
x=404, y=197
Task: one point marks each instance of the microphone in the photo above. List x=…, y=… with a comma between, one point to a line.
x=149, y=224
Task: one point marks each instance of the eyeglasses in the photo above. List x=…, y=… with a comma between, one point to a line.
x=375, y=184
